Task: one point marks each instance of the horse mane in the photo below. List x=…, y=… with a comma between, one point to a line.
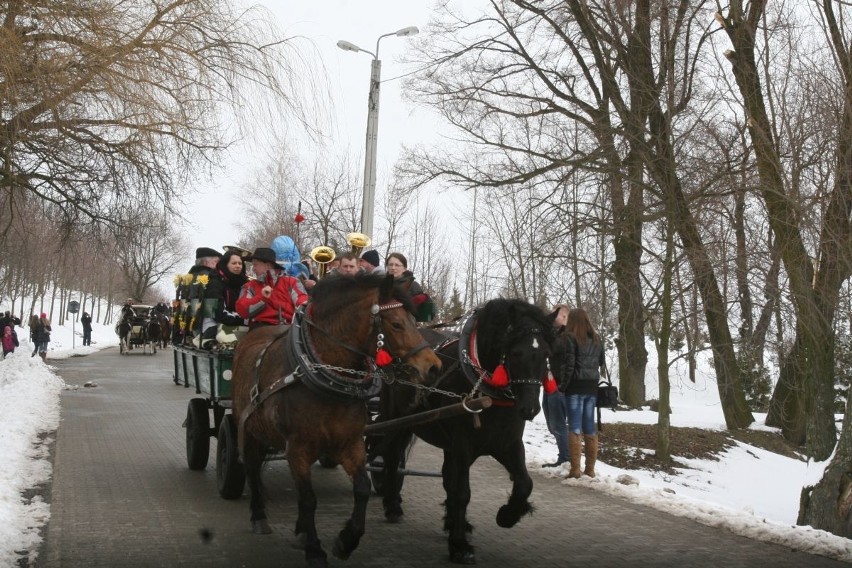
x=495, y=320
x=334, y=293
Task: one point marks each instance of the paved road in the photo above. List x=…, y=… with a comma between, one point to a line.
x=122, y=495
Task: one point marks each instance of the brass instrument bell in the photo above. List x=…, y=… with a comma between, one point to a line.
x=322, y=255
x=358, y=242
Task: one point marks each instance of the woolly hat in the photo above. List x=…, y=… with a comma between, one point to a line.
x=203, y=252
x=43, y=315
x=372, y=256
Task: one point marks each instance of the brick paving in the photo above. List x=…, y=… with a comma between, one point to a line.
x=122, y=495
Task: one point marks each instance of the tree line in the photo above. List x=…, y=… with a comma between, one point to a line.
x=681, y=167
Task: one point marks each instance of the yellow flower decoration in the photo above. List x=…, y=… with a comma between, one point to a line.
x=186, y=279
x=202, y=279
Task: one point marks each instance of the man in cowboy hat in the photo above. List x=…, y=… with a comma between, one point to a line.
x=273, y=297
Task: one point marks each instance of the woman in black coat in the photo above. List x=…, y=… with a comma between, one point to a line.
x=581, y=372
x=221, y=294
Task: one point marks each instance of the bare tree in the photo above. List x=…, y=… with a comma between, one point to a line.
x=147, y=251
x=806, y=382
x=110, y=104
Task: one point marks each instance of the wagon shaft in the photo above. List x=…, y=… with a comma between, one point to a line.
x=448, y=411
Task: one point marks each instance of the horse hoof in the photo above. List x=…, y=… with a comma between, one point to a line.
x=339, y=550
x=261, y=527
x=393, y=518
x=301, y=541
x=463, y=557
x=318, y=562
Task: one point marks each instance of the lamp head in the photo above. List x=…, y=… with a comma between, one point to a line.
x=409, y=31
x=347, y=46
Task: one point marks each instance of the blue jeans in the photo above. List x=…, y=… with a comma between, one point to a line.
x=555, y=414
x=581, y=413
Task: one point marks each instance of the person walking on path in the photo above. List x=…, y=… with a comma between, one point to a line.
x=555, y=405
x=86, y=320
x=9, y=340
x=581, y=372
x=40, y=335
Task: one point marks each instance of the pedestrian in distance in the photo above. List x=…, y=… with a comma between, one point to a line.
x=40, y=335
x=86, y=320
x=9, y=340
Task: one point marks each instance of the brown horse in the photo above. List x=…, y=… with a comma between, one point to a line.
x=165, y=329
x=305, y=390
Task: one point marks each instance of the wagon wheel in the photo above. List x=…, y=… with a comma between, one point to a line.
x=230, y=473
x=197, y=434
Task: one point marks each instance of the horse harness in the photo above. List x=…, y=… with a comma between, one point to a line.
x=480, y=379
x=321, y=378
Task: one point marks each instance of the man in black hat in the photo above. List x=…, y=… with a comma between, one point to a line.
x=370, y=262
x=205, y=263
x=273, y=297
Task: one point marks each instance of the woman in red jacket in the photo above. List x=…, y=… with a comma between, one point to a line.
x=273, y=297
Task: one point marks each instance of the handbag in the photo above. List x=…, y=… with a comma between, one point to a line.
x=607, y=396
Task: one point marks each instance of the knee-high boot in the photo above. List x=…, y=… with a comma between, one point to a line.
x=575, y=451
x=591, y=454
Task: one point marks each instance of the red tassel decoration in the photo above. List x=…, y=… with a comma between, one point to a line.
x=549, y=383
x=299, y=218
x=499, y=378
x=383, y=358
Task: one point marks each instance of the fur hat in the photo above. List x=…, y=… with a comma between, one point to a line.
x=372, y=256
x=204, y=252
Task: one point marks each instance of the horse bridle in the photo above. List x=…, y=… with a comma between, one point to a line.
x=479, y=376
x=376, y=311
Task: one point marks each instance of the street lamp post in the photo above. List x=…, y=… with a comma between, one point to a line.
x=369, y=195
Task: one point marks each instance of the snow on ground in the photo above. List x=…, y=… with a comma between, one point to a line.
x=749, y=491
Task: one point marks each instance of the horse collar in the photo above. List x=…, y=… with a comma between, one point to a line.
x=322, y=378
x=469, y=357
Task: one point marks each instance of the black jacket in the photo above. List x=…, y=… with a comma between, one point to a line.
x=225, y=289
x=41, y=332
x=87, y=323
x=581, y=366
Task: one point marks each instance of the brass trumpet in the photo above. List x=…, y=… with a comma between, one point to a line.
x=322, y=255
x=358, y=242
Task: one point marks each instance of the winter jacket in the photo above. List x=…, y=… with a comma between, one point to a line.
x=287, y=294
x=221, y=295
x=87, y=323
x=41, y=332
x=581, y=366
x=9, y=341
x=557, y=358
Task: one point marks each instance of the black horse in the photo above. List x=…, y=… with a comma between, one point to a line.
x=503, y=351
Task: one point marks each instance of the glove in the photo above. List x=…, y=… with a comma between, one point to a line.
x=230, y=318
x=563, y=387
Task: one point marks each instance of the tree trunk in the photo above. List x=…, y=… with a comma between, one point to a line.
x=810, y=364
x=827, y=504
